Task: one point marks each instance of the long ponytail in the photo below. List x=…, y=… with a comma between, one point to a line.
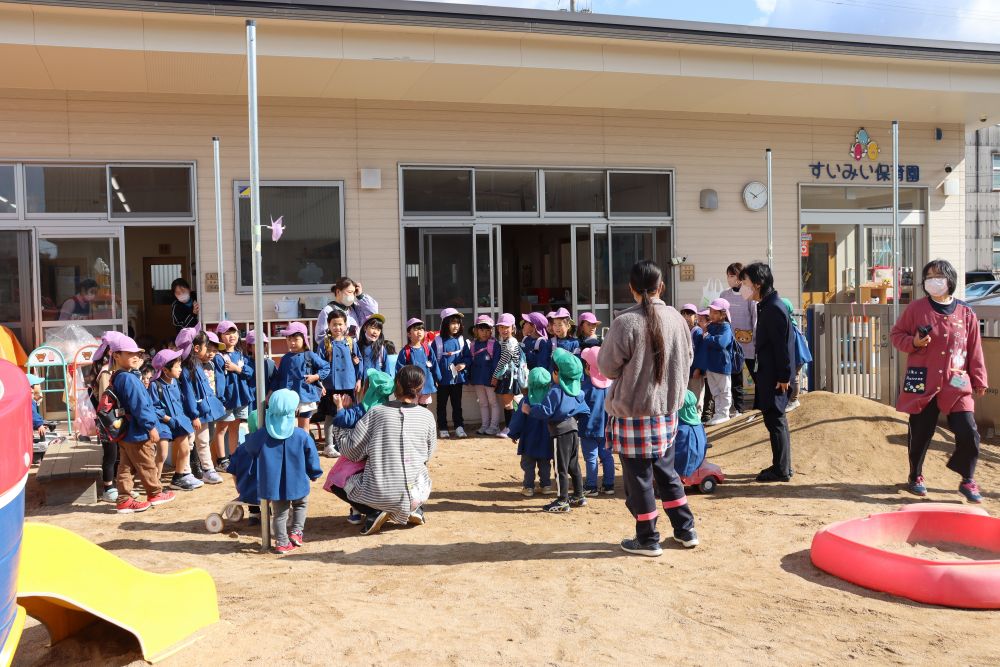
x=646, y=279
x=192, y=363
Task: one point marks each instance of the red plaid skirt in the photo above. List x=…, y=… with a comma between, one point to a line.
x=641, y=437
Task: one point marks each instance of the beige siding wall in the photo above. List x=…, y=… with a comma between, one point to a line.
x=330, y=140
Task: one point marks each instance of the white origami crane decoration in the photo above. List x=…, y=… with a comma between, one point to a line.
x=277, y=227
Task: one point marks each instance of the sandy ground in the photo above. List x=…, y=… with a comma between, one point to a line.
x=491, y=580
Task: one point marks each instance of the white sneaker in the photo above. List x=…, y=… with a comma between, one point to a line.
x=504, y=433
x=193, y=481
x=330, y=451
x=527, y=491
x=489, y=431
x=443, y=435
x=715, y=421
x=792, y=406
x=480, y=431
x=735, y=414
x=460, y=432
x=547, y=490
x=212, y=477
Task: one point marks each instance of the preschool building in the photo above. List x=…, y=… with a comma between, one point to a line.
x=449, y=155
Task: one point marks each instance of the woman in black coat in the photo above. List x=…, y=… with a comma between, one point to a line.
x=775, y=343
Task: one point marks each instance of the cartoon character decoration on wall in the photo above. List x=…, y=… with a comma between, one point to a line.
x=864, y=145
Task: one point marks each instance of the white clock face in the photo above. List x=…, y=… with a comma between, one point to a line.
x=755, y=195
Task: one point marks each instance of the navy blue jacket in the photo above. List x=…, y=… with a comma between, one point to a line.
x=483, y=362
x=592, y=424
x=284, y=467
x=134, y=400
x=558, y=408
x=166, y=397
x=530, y=353
x=200, y=402
x=571, y=345
x=36, y=416
x=593, y=341
x=531, y=435
x=233, y=388
x=698, y=345
x=425, y=360
x=349, y=417
x=269, y=369
x=719, y=348
x=775, y=346
x=344, y=373
x=294, y=368
x=689, y=448
x=448, y=352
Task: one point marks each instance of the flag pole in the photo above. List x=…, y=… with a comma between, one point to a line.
x=896, y=254
x=218, y=228
x=258, y=296
x=770, y=212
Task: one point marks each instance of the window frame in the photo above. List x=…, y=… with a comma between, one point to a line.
x=458, y=217
x=530, y=215
x=651, y=216
x=96, y=215
x=994, y=171
x=543, y=204
x=306, y=289
x=16, y=215
x=995, y=252
x=150, y=219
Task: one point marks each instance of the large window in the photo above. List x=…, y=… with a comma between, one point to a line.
x=506, y=191
x=8, y=201
x=160, y=191
x=310, y=254
x=66, y=190
x=80, y=278
x=858, y=198
x=437, y=192
x=639, y=194
x=575, y=191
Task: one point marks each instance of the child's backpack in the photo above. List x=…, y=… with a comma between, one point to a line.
x=439, y=344
x=490, y=348
x=739, y=358
x=112, y=422
x=408, y=352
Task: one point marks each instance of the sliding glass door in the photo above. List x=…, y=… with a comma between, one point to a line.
x=16, y=295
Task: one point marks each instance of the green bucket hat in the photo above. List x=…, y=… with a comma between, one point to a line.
x=252, y=422
x=689, y=413
x=380, y=388
x=539, y=381
x=570, y=371
x=788, y=304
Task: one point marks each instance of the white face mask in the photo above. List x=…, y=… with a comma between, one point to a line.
x=734, y=281
x=936, y=286
x=184, y=297
x=348, y=300
x=746, y=291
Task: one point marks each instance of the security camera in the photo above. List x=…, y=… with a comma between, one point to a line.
x=947, y=169
x=676, y=261
x=982, y=119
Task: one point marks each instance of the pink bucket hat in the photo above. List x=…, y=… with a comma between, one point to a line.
x=296, y=328
x=449, y=312
x=561, y=314
x=225, y=326
x=600, y=380
x=703, y=313
x=107, y=339
x=485, y=319
x=506, y=320
x=212, y=336
x=550, y=315
x=123, y=343
x=719, y=304
x=184, y=341
x=162, y=358
x=413, y=320
x=588, y=317
x=689, y=307
x=251, y=337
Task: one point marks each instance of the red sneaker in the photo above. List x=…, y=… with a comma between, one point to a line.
x=285, y=548
x=130, y=505
x=296, y=538
x=161, y=498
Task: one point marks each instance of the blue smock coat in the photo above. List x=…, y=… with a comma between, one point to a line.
x=592, y=424
x=571, y=345
x=134, y=400
x=532, y=435
x=269, y=369
x=368, y=360
x=528, y=344
x=349, y=417
x=689, y=448
x=449, y=352
x=698, y=345
x=36, y=416
x=559, y=407
x=294, y=368
x=344, y=373
x=166, y=397
x=200, y=402
x=719, y=348
x=483, y=359
x=284, y=467
x=425, y=360
x=233, y=388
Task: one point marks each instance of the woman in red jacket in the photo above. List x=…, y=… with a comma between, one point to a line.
x=944, y=369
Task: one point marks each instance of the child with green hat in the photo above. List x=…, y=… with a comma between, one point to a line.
x=534, y=444
x=563, y=402
x=691, y=441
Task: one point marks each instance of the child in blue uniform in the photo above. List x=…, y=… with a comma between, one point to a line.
x=587, y=331
x=562, y=405
x=691, y=441
x=561, y=338
x=174, y=427
x=718, y=341
x=302, y=371
x=533, y=337
x=484, y=354
x=452, y=356
x=696, y=381
x=344, y=378
x=137, y=449
x=249, y=344
x=373, y=345
x=37, y=423
x=236, y=375
x=592, y=426
x=201, y=405
x=286, y=462
x=802, y=357
x=534, y=444
x=418, y=353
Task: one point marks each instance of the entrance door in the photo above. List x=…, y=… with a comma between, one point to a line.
x=819, y=269
x=16, y=298
x=81, y=281
x=157, y=275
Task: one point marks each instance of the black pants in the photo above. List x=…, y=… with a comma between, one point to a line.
x=568, y=464
x=109, y=462
x=453, y=392
x=962, y=424
x=639, y=476
x=364, y=509
x=737, y=385
x=781, y=444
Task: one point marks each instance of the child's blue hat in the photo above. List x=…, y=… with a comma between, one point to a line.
x=34, y=379
x=281, y=408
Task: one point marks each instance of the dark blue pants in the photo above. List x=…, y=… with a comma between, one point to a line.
x=528, y=465
x=639, y=476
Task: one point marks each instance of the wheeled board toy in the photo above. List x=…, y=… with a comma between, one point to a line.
x=707, y=477
x=216, y=522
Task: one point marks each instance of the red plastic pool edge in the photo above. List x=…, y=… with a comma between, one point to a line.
x=849, y=550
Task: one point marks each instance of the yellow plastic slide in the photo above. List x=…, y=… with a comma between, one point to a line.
x=68, y=582
x=13, y=637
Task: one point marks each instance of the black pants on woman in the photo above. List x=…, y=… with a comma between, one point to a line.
x=962, y=424
x=639, y=476
x=360, y=507
x=781, y=442
x=454, y=393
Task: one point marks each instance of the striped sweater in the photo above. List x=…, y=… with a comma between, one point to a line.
x=396, y=440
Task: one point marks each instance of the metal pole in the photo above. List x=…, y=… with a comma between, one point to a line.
x=770, y=213
x=258, y=296
x=218, y=228
x=896, y=254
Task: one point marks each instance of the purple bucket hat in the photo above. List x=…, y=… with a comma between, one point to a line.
x=162, y=358
x=296, y=328
x=506, y=320
x=537, y=320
